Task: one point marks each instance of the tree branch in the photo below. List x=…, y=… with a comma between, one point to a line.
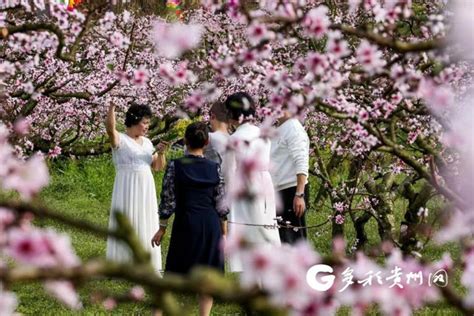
x=200, y=281
x=124, y=231
x=399, y=46
x=42, y=27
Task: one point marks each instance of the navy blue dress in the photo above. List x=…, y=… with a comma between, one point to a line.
x=193, y=189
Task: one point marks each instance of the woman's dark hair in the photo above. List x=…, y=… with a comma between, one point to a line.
x=196, y=135
x=240, y=104
x=219, y=110
x=135, y=113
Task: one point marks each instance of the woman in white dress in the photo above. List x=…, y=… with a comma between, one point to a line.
x=261, y=209
x=134, y=191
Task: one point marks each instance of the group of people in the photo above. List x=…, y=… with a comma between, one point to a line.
x=194, y=186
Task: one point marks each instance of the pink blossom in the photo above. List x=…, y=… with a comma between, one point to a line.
x=285, y=284
x=340, y=206
x=396, y=98
x=28, y=87
x=339, y=245
x=108, y=20
x=379, y=12
x=8, y=303
x=290, y=288
x=140, y=76
x=176, y=77
x=461, y=22
x=267, y=131
x=258, y=32
x=363, y=116
x=21, y=126
x=54, y=152
x=195, y=101
x=459, y=225
x=40, y=248
x=248, y=56
x=276, y=80
x=109, y=304
x=412, y=136
x=259, y=263
x=411, y=294
x=445, y=263
x=295, y=104
x=249, y=160
x=317, y=63
x=64, y=291
x=28, y=178
x=369, y=57
x=119, y=40
x=171, y=40
x=225, y=66
x=393, y=13
x=354, y=5
x=388, y=108
x=339, y=219
x=137, y=293
x=4, y=133
x=3, y=17
x=316, y=22
x=438, y=97
x=304, y=254
x=29, y=247
x=6, y=217
x=337, y=46
x=123, y=76
x=61, y=248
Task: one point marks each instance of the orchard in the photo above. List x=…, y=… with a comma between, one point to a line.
x=383, y=87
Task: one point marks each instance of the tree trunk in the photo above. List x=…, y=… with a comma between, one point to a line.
x=410, y=226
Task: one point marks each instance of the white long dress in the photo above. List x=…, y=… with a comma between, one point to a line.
x=134, y=195
x=260, y=210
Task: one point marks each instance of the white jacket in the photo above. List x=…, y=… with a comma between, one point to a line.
x=289, y=154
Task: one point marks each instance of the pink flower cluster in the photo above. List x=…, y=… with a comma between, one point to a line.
x=316, y=22
x=27, y=177
x=395, y=287
x=172, y=40
x=45, y=248
x=26, y=244
x=370, y=57
x=250, y=161
x=41, y=248
x=176, y=77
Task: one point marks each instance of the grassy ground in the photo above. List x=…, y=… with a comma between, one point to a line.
x=82, y=189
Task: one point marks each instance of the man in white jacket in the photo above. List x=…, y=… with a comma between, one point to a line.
x=290, y=164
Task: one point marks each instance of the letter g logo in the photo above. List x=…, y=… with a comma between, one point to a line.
x=326, y=281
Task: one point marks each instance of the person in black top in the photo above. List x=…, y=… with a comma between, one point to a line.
x=193, y=190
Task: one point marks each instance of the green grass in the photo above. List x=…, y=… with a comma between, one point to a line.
x=83, y=188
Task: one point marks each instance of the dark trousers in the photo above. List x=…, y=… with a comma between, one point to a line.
x=289, y=235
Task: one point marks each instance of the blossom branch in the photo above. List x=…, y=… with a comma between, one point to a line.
x=399, y=46
x=27, y=27
x=124, y=231
x=201, y=281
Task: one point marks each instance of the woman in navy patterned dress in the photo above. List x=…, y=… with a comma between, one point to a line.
x=193, y=190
